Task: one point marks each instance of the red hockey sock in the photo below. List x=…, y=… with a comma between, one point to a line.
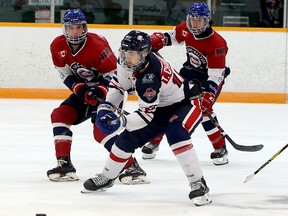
x=63, y=148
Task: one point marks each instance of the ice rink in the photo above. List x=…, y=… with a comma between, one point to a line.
x=27, y=152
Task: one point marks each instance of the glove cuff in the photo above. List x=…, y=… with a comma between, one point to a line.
x=106, y=106
x=211, y=87
x=77, y=87
x=103, y=89
x=123, y=120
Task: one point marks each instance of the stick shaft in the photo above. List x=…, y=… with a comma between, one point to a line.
x=270, y=159
x=239, y=147
x=248, y=178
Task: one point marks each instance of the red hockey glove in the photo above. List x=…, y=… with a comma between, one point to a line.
x=158, y=40
x=99, y=92
x=207, y=100
x=90, y=94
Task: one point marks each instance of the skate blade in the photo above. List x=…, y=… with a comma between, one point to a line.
x=84, y=191
x=148, y=156
x=128, y=180
x=67, y=177
x=203, y=200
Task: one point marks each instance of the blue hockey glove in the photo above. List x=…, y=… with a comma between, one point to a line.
x=107, y=121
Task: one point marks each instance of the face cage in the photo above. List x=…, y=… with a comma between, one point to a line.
x=197, y=31
x=72, y=40
x=133, y=68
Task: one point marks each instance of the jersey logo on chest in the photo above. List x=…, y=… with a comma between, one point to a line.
x=196, y=58
x=82, y=72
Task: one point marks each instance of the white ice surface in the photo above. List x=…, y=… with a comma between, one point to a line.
x=27, y=152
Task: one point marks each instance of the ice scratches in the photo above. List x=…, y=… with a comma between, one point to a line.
x=251, y=201
x=279, y=200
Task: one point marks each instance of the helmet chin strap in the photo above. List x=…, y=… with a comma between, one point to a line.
x=145, y=64
x=75, y=43
x=75, y=46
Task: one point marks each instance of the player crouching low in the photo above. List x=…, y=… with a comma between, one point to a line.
x=167, y=104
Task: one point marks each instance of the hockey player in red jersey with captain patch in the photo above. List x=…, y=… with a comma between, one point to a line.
x=86, y=65
x=206, y=59
x=167, y=104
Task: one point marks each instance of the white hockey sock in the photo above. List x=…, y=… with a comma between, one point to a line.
x=189, y=162
x=115, y=162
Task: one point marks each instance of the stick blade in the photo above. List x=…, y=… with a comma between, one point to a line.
x=248, y=178
x=252, y=148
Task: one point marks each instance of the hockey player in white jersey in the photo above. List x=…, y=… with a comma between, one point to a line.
x=167, y=104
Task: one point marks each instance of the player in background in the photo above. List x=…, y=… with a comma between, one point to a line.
x=206, y=59
x=86, y=65
x=166, y=104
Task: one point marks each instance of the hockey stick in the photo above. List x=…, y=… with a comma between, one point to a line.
x=158, y=54
x=124, y=102
x=239, y=147
x=248, y=178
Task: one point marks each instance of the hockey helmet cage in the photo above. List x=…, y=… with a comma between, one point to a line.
x=135, y=41
x=198, y=11
x=74, y=17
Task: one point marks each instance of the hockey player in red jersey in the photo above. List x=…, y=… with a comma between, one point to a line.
x=166, y=102
x=206, y=59
x=86, y=65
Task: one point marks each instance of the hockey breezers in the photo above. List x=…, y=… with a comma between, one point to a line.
x=248, y=178
x=239, y=147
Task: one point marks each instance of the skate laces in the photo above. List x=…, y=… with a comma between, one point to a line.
x=218, y=150
x=221, y=150
x=62, y=162
x=135, y=169
x=152, y=146
x=196, y=185
x=100, y=179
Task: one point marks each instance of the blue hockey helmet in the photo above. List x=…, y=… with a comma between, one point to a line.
x=198, y=17
x=74, y=17
x=135, y=41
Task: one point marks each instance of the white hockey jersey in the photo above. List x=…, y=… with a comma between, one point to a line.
x=159, y=85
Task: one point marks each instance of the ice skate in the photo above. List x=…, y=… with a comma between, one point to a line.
x=200, y=193
x=99, y=183
x=219, y=156
x=134, y=175
x=65, y=171
x=149, y=151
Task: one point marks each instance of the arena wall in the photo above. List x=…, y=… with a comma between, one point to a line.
x=257, y=58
